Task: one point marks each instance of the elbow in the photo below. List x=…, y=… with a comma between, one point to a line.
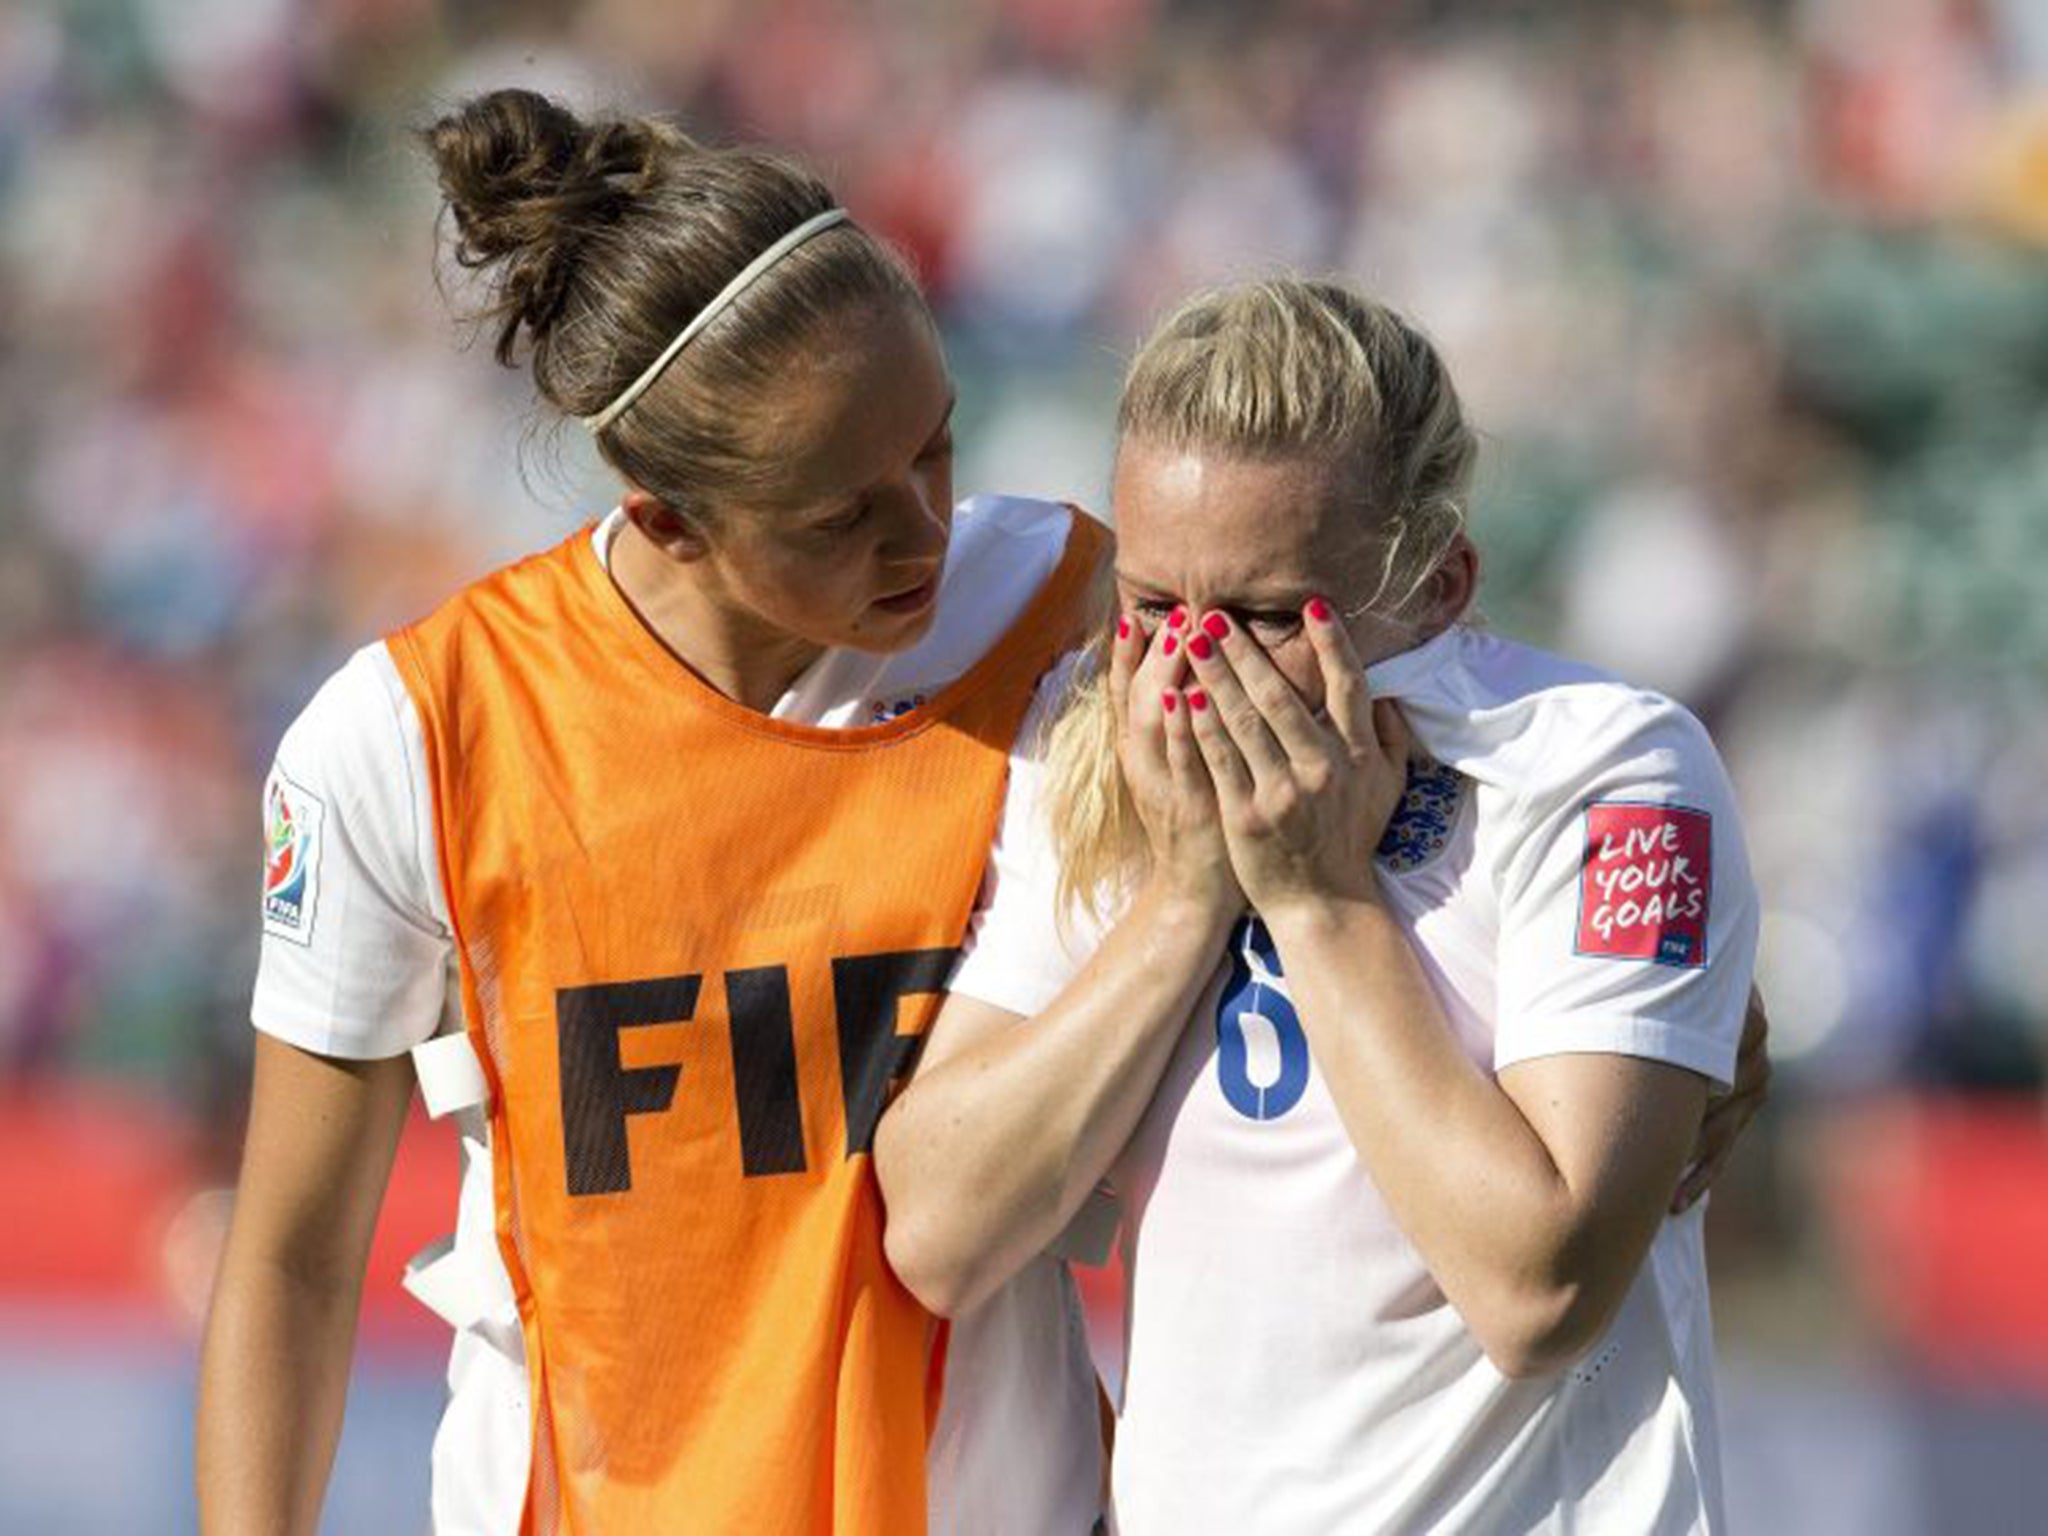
x=917, y=1256
x=1544, y=1327
x=914, y=1236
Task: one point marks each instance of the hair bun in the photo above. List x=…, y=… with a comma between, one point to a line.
x=528, y=183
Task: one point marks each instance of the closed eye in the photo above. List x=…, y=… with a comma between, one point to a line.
x=846, y=521
x=1271, y=625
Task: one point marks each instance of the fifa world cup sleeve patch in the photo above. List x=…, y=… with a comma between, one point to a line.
x=1646, y=880
x=292, y=816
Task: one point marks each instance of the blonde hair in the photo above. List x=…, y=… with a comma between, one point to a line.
x=1279, y=368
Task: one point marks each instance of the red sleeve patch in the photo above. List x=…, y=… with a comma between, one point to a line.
x=1646, y=879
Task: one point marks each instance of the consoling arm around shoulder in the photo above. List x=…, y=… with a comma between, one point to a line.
x=322, y=1135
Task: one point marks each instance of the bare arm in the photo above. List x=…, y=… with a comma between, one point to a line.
x=1008, y=1126
x=274, y=1371
x=1532, y=1199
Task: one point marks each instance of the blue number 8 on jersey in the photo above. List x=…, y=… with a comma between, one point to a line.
x=1254, y=1018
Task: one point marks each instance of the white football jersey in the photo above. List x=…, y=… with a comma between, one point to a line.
x=357, y=961
x=1572, y=874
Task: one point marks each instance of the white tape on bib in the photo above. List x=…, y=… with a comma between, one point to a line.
x=1090, y=1234
x=458, y=1286
x=451, y=1077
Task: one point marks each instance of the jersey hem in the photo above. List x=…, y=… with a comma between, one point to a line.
x=322, y=1042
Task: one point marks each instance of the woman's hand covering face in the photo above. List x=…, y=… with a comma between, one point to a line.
x=1304, y=797
x=1168, y=785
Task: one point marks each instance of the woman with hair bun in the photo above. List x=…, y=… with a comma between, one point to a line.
x=1409, y=1154
x=648, y=856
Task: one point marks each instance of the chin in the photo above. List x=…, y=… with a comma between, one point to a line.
x=884, y=634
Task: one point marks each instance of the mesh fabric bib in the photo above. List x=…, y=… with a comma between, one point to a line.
x=698, y=946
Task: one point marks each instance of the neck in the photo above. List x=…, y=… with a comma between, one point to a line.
x=748, y=661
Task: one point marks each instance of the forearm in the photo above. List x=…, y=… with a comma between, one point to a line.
x=274, y=1371
x=1531, y=1261
x=987, y=1156
x=273, y=1379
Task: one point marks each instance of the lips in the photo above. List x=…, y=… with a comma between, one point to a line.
x=911, y=599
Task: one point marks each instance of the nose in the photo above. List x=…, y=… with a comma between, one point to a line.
x=918, y=526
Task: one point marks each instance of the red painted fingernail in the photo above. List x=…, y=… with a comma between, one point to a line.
x=1175, y=619
x=1197, y=700
x=1217, y=625
x=1168, y=702
x=1123, y=629
x=1171, y=645
x=1318, y=610
x=1199, y=648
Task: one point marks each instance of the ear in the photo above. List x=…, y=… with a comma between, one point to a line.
x=1449, y=591
x=675, y=533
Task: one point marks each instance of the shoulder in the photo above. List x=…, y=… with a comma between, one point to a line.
x=990, y=529
x=536, y=587
x=1606, y=786
x=355, y=727
x=1563, y=729
x=1628, y=915
x=1016, y=542
x=355, y=932
x=1063, y=688
x=1002, y=552
x=350, y=775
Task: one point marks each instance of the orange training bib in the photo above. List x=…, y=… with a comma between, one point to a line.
x=698, y=946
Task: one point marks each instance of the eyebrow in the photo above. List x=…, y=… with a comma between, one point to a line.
x=945, y=420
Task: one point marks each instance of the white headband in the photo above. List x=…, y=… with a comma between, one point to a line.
x=812, y=226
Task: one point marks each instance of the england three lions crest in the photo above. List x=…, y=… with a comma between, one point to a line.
x=1421, y=824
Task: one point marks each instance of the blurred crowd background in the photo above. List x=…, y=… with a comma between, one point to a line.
x=1750, y=300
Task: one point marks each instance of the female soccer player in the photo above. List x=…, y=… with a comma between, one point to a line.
x=683, y=820
x=1399, y=1026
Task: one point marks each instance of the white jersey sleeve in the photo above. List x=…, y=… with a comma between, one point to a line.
x=1021, y=950
x=1628, y=919
x=356, y=952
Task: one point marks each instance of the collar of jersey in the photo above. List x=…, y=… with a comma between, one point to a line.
x=1410, y=672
